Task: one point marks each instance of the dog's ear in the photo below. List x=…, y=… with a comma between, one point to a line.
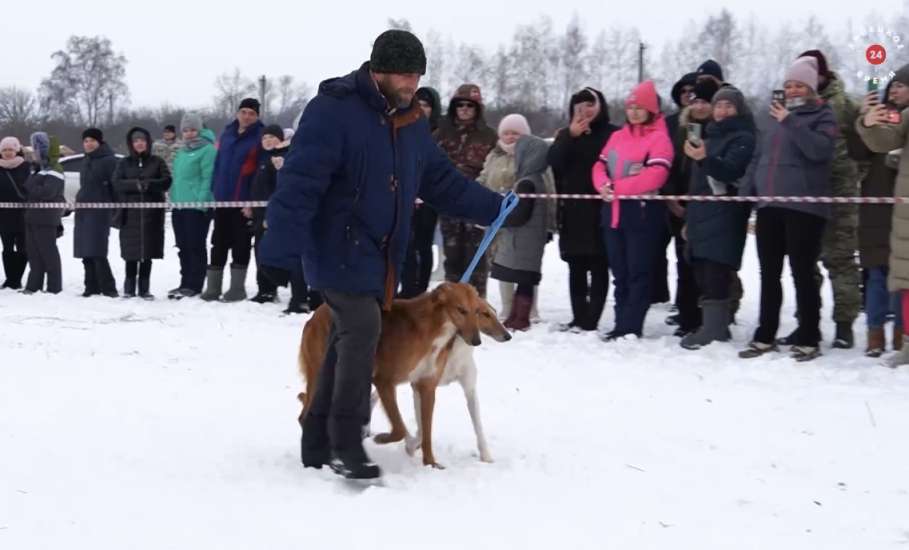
x=440, y=293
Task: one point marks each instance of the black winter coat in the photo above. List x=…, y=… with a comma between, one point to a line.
x=572, y=160
x=717, y=231
x=93, y=226
x=12, y=189
x=265, y=181
x=141, y=178
x=45, y=186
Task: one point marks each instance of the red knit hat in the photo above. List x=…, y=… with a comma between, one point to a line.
x=644, y=95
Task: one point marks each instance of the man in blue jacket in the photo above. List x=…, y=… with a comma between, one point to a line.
x=361, y=156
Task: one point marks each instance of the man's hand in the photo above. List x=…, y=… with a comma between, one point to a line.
x=876, y=115
x=698, y=152
x=247, y=213
x=778, y=112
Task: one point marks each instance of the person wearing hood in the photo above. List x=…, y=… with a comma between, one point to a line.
x=635, y=161
x=499, y=175
x=841, y=236
x=876, y=222
x=884, y=132
x=581, y=244
x=235, y=168
x=194, y=165
x=362, y=155
x=716, y=232
x=166, y=148
x=419, y=261
x=14, y=171
x=467, y=140
x=519, y=254
x=140, y=177
x=699, y=111
x=797, y=152
x=42, y=225
x=271, y=159
x=92, y=226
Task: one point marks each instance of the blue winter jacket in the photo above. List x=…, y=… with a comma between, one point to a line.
x=236, y=163
x=346, y=193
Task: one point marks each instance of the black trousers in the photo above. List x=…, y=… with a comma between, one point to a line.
x=781, y=233
x=266, y=286
x=713, y=278
x=14, y=257
x=341, y=404
x=99, y=279
x=43, y=259
x=687, y=292
x=232, y=234
x=588, y=286
x=140, y=269
x=418, y=262
x=190, y=232
x=659, y=286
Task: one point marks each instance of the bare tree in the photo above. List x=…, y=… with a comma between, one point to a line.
x=290, y=98
x=400, y=24
x=18, y=107
x=230, y=90
x=87, y=81
x=435, y=59
x=719, y=40
x=575, y=61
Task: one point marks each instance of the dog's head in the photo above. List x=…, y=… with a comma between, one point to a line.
x=490, y=324
x=462, y=305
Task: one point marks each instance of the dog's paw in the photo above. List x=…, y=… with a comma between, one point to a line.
x=486, y=457
x=411, y=445
x=386, y=438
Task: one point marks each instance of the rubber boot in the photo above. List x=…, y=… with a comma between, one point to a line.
x=213, y=283
x=714, y=328
x=237, y=290
x=520, y=313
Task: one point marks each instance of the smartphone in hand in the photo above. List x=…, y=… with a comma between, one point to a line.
x=779, y=96
x=694, y=134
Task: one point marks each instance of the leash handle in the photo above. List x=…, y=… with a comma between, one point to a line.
x=509, y=203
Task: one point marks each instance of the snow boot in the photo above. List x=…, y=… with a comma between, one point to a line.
x=897, y=338
x=844, y=338
x=129, y=287
x=213, y=284
x=876, y=342
x=237, y=290
x=506, y=291
x=715, y=327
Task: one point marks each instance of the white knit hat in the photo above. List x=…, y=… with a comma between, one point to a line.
x=516, y=123
x=10, y=143
x=804, y=70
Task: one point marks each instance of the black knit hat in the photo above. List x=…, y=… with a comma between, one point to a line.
x=93, y=133
x=711, y=68
x=274, y=130
x=250, y=103
x=705, y=90
x=398, y=52
x=170, y=128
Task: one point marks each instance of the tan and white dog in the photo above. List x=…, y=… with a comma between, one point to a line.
x=428, y=342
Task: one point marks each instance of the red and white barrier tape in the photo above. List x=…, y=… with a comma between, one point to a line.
x=545, y=196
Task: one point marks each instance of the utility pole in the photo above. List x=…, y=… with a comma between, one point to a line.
x=641, y=48
x=262, y=104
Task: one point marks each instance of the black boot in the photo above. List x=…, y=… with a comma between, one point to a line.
x=129, y=287
x=14, y=264
x=144, y=284
x=844, y=338
x=296, y=307
x=91, y=279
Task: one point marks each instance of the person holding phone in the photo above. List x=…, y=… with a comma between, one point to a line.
x=796, y=159
x=692, y=120
x=877, y=131
x=636, y=160
x=875, y=222
x=716, y=232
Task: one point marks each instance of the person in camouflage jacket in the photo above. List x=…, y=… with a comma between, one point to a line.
x=467, y=139
x=167, y=147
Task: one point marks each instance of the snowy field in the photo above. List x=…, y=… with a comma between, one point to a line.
x=165, y=425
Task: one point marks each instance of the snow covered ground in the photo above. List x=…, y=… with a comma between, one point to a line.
x=163, y=425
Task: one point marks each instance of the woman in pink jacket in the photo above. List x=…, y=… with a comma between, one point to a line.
x=635, y=161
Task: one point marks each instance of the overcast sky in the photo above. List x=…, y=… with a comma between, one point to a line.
x=176, y=48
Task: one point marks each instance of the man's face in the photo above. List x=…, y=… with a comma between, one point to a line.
x=686, y=95
x=398, y=89
x=169, y=136
x=466, y=110
x=90, y=145
x=247, y=117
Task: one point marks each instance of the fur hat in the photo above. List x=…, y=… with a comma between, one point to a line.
x=804, y=70
x=41, y=147
x=93, y=133
x=398, y=52
x=11, y=143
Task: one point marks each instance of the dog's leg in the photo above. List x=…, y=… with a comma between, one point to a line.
x=412, y=443
x=427, y=390
x=390, y=403
x=469, y=385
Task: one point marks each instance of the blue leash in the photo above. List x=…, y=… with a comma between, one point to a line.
x=509, y=203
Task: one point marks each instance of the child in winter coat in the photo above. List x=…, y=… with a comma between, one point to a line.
x=635, y=161
x=42, y=225
x=519, y=254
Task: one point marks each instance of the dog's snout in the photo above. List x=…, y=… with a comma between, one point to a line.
x=475, y=340
x=506, y=336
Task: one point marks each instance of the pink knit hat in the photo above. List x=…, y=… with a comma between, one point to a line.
x=644, y=95
x=516, y=123
x=804, y=70
x=10, y=143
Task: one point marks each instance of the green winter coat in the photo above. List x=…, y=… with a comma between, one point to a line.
x=844, y=178
x=193, y=170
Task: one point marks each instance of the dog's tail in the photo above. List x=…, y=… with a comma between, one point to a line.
x=313, y=343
